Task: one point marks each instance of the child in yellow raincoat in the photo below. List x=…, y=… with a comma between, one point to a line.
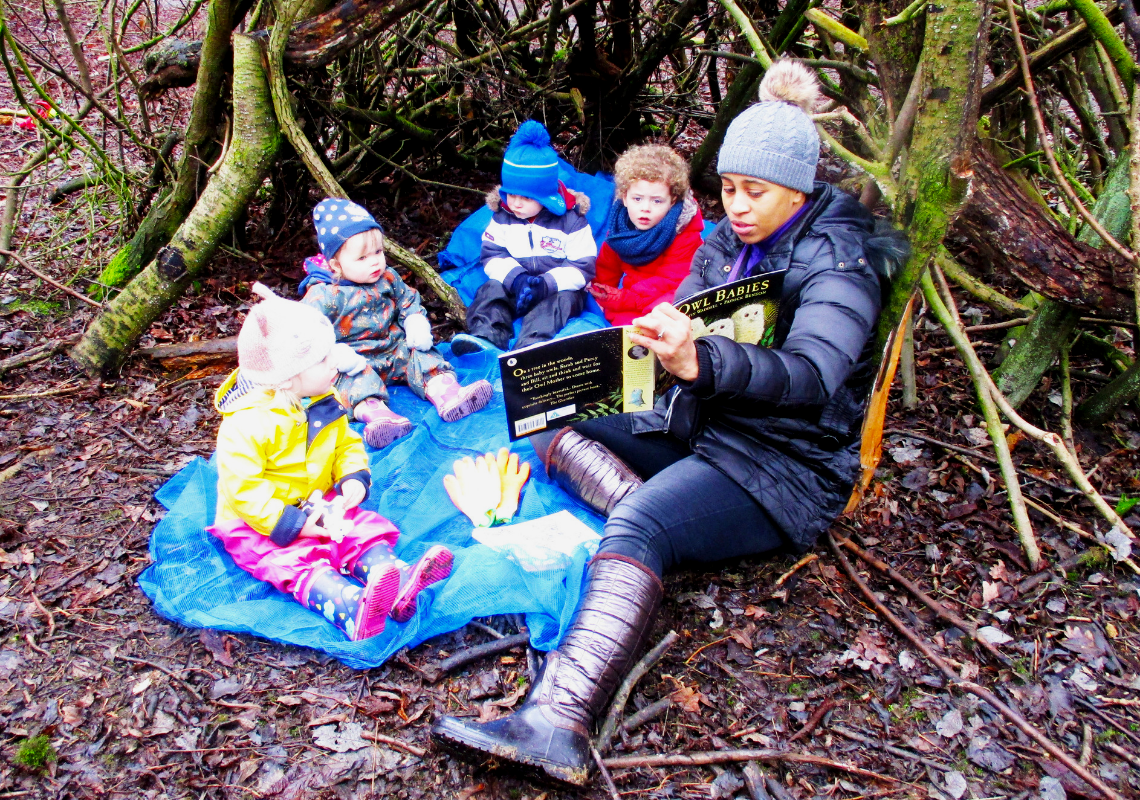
x=284, y=435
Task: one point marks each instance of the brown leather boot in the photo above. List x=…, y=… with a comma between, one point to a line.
x=589, y=471
x=551, y=730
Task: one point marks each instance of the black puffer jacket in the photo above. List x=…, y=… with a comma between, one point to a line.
x=784, y=421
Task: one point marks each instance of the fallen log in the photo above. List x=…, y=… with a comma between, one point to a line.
x=1004, y=227
x=314, y=42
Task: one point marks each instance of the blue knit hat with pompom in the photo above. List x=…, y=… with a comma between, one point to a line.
x=530, y=168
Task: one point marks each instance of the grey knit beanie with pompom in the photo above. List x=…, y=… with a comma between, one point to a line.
x=775, y=140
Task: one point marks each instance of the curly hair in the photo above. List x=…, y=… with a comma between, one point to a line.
x=655, y=163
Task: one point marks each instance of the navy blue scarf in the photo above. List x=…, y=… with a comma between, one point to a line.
x=640, y=247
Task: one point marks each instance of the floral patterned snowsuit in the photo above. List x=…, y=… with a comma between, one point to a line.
x=369, y=318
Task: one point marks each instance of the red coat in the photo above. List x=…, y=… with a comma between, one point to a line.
x=651, y=283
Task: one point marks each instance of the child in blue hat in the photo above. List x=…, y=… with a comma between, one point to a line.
x=538, y=251
x=381, y=319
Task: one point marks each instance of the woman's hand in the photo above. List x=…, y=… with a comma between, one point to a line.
x=353, y=492
x=668, y=333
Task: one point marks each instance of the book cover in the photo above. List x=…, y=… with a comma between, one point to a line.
x=592, y=374
x=598, y=373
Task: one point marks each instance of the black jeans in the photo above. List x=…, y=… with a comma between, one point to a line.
x=688, y=512
x=491, y=315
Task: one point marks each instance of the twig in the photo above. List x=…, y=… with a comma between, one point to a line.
x=647, y=714
x=945, y=309
x=1064, y=523
x=890, y=748
x=67, y=389
x=46, y=613
x=728, y=756
x=942, y=611
x=969, y=686
x=37, y=353
x=415, y=750
x=810, y=557
x=813, y=720
x=134, y=439
x=621, y=697
x=1131, y=758
x=605, y=773
x=65, y=289
x=487, y=629
x=433, y=672
x=1107, y=719
x=160, y=668
x=754, y=782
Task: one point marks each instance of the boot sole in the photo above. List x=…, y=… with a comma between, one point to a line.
x=380, y=437
x=432, y=568
x=471, y=399
x=473, y=750
x=379, y=596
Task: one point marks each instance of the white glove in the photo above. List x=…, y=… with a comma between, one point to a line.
x=418, y=331
x=348, y=360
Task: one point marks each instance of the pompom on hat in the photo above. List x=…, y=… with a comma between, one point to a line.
x=281, y=338
x=775, y=140
x=337, y=220
x=530, y=168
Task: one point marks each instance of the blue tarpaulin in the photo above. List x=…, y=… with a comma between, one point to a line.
x=193, y=581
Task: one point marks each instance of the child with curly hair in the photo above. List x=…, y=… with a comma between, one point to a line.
x=654, y=230
x=380, y=317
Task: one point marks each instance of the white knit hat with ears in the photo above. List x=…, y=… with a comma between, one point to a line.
x=281, y=338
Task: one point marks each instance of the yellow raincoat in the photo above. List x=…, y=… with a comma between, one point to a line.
x=272, y=456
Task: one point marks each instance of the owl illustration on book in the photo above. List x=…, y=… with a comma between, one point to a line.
x=749, y=323
x=636, y=399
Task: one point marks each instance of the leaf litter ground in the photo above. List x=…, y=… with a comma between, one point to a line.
x=135, y=706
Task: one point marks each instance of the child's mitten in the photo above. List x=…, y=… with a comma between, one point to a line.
x=348, y=360
x=417, y=329
x=530, y=294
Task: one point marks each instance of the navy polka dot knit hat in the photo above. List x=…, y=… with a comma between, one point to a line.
x=338, y=220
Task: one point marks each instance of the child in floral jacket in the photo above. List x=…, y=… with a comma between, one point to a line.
x=381, y=319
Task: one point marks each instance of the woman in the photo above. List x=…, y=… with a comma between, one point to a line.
x=756, y=451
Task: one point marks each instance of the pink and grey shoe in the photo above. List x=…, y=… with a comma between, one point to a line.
x=453, y=401
x=382, y=425
x=433, y=566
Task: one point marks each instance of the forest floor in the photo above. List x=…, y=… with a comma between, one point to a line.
x=100, y=697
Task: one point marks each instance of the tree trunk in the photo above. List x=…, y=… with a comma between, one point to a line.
x=255, y=142
x=1036, y=350
x=1102, y=406
x=168, y=213
x=1006, y=228
x=934, y=185
x=1041, y=342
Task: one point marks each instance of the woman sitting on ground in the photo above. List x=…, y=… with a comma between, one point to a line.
x=755, y=451
x=653, y=231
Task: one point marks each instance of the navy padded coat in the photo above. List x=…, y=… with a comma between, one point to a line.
x=784, y=421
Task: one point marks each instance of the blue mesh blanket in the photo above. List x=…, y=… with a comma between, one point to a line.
x=194, y=582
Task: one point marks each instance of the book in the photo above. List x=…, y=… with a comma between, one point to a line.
x=598, y=373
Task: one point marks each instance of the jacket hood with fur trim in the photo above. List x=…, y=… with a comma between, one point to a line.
x=581, y=200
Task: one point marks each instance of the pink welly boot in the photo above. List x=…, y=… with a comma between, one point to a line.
x=433, y=566
x=358, y=610
x=454, y=402
x=382, y=425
